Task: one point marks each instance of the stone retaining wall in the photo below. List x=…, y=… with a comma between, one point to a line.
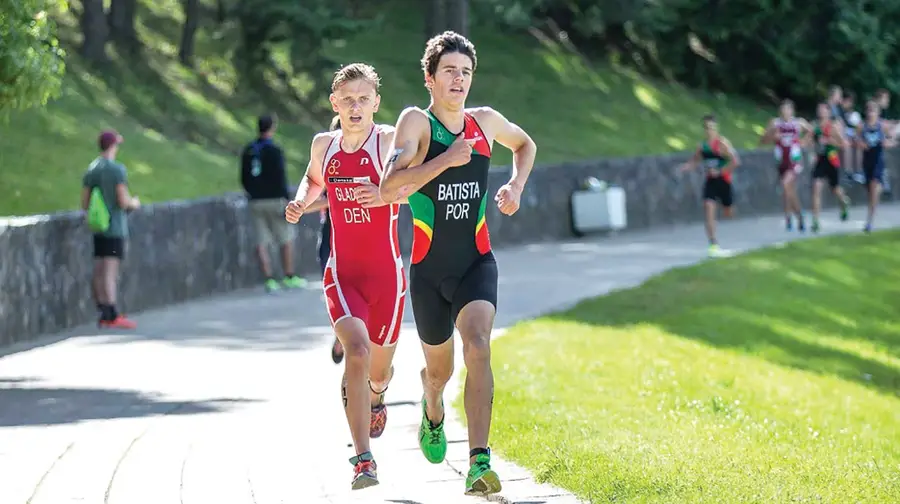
x=185, y=250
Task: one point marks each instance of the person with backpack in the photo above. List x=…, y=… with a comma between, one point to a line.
x=106, y=201
x=264, y=180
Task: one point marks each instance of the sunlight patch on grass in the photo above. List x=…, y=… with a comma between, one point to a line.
x=647, y=97
x=676, y=143
x=153, y=135
x=604, y=121
x=141, y=168
x=803, y=279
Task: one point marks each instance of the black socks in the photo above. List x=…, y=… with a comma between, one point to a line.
x=107, y=312
x=479, y=451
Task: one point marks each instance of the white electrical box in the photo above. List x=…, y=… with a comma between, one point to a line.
x=599, y=210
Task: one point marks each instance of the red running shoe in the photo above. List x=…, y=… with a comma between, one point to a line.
x=364, y=471
x=120, y=322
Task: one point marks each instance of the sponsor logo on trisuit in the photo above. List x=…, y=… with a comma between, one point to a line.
x=350, y=180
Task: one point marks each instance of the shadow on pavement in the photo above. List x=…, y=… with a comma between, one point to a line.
x=288, y=321
x=31, y=405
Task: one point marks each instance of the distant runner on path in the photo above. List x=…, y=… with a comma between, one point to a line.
x=788, y=134
x=440, y=158
x=719, y=159
x=829, y=139
x=872, y=137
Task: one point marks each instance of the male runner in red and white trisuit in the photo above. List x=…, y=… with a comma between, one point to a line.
x=364, y=281
x=789, y=134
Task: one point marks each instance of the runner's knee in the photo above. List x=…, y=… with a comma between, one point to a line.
x=438, y=371
x=379, y=378
x=477, y=347
x=378, y=386
x=356, y=351
x=438, y=377
x=355, y=339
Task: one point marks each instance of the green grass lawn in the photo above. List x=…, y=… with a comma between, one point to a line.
x=769, y=377
x=183, y=128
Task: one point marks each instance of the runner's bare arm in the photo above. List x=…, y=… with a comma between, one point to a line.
x=733, y=159
x=807, y=133
x=369, y=195
x=692, y=163
x=317, y=205
x=894, y=127
x=514, y=138
x=387, y=140
x=313, y=183
x=401, y=174
x=890, y=140
x=837, y=136
x=768, y=135
x=858, y=138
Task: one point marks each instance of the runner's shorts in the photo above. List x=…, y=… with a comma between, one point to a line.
x=873, y=169
x=375, y=298
x=827, y=168
x=718, y=189
x=438, y=296
x=789, y=159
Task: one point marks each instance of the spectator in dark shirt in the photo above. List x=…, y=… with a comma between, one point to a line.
x=264, y=179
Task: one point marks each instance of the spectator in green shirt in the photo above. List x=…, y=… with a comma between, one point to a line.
x=110, y=178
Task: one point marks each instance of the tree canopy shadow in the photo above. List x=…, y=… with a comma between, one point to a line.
x=242, y=320
x=25, y=405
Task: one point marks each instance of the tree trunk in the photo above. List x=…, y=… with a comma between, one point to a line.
x=221, y=11
x=94, y=30
x=435, y=17
x=458, y=16
x=121, y=23
x=191, y=23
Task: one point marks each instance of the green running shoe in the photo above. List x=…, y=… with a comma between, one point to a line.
x=482, y=480
x=432, y=439
x=272, y=285
x=294, y=282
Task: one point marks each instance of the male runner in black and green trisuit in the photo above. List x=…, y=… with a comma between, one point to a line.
x=719, y=159
x=829, y=140
x=440, y=160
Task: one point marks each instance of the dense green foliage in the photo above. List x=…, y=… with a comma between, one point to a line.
x=757, y=48
x=185, y=106
x=31, y=65
x=300, y=32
